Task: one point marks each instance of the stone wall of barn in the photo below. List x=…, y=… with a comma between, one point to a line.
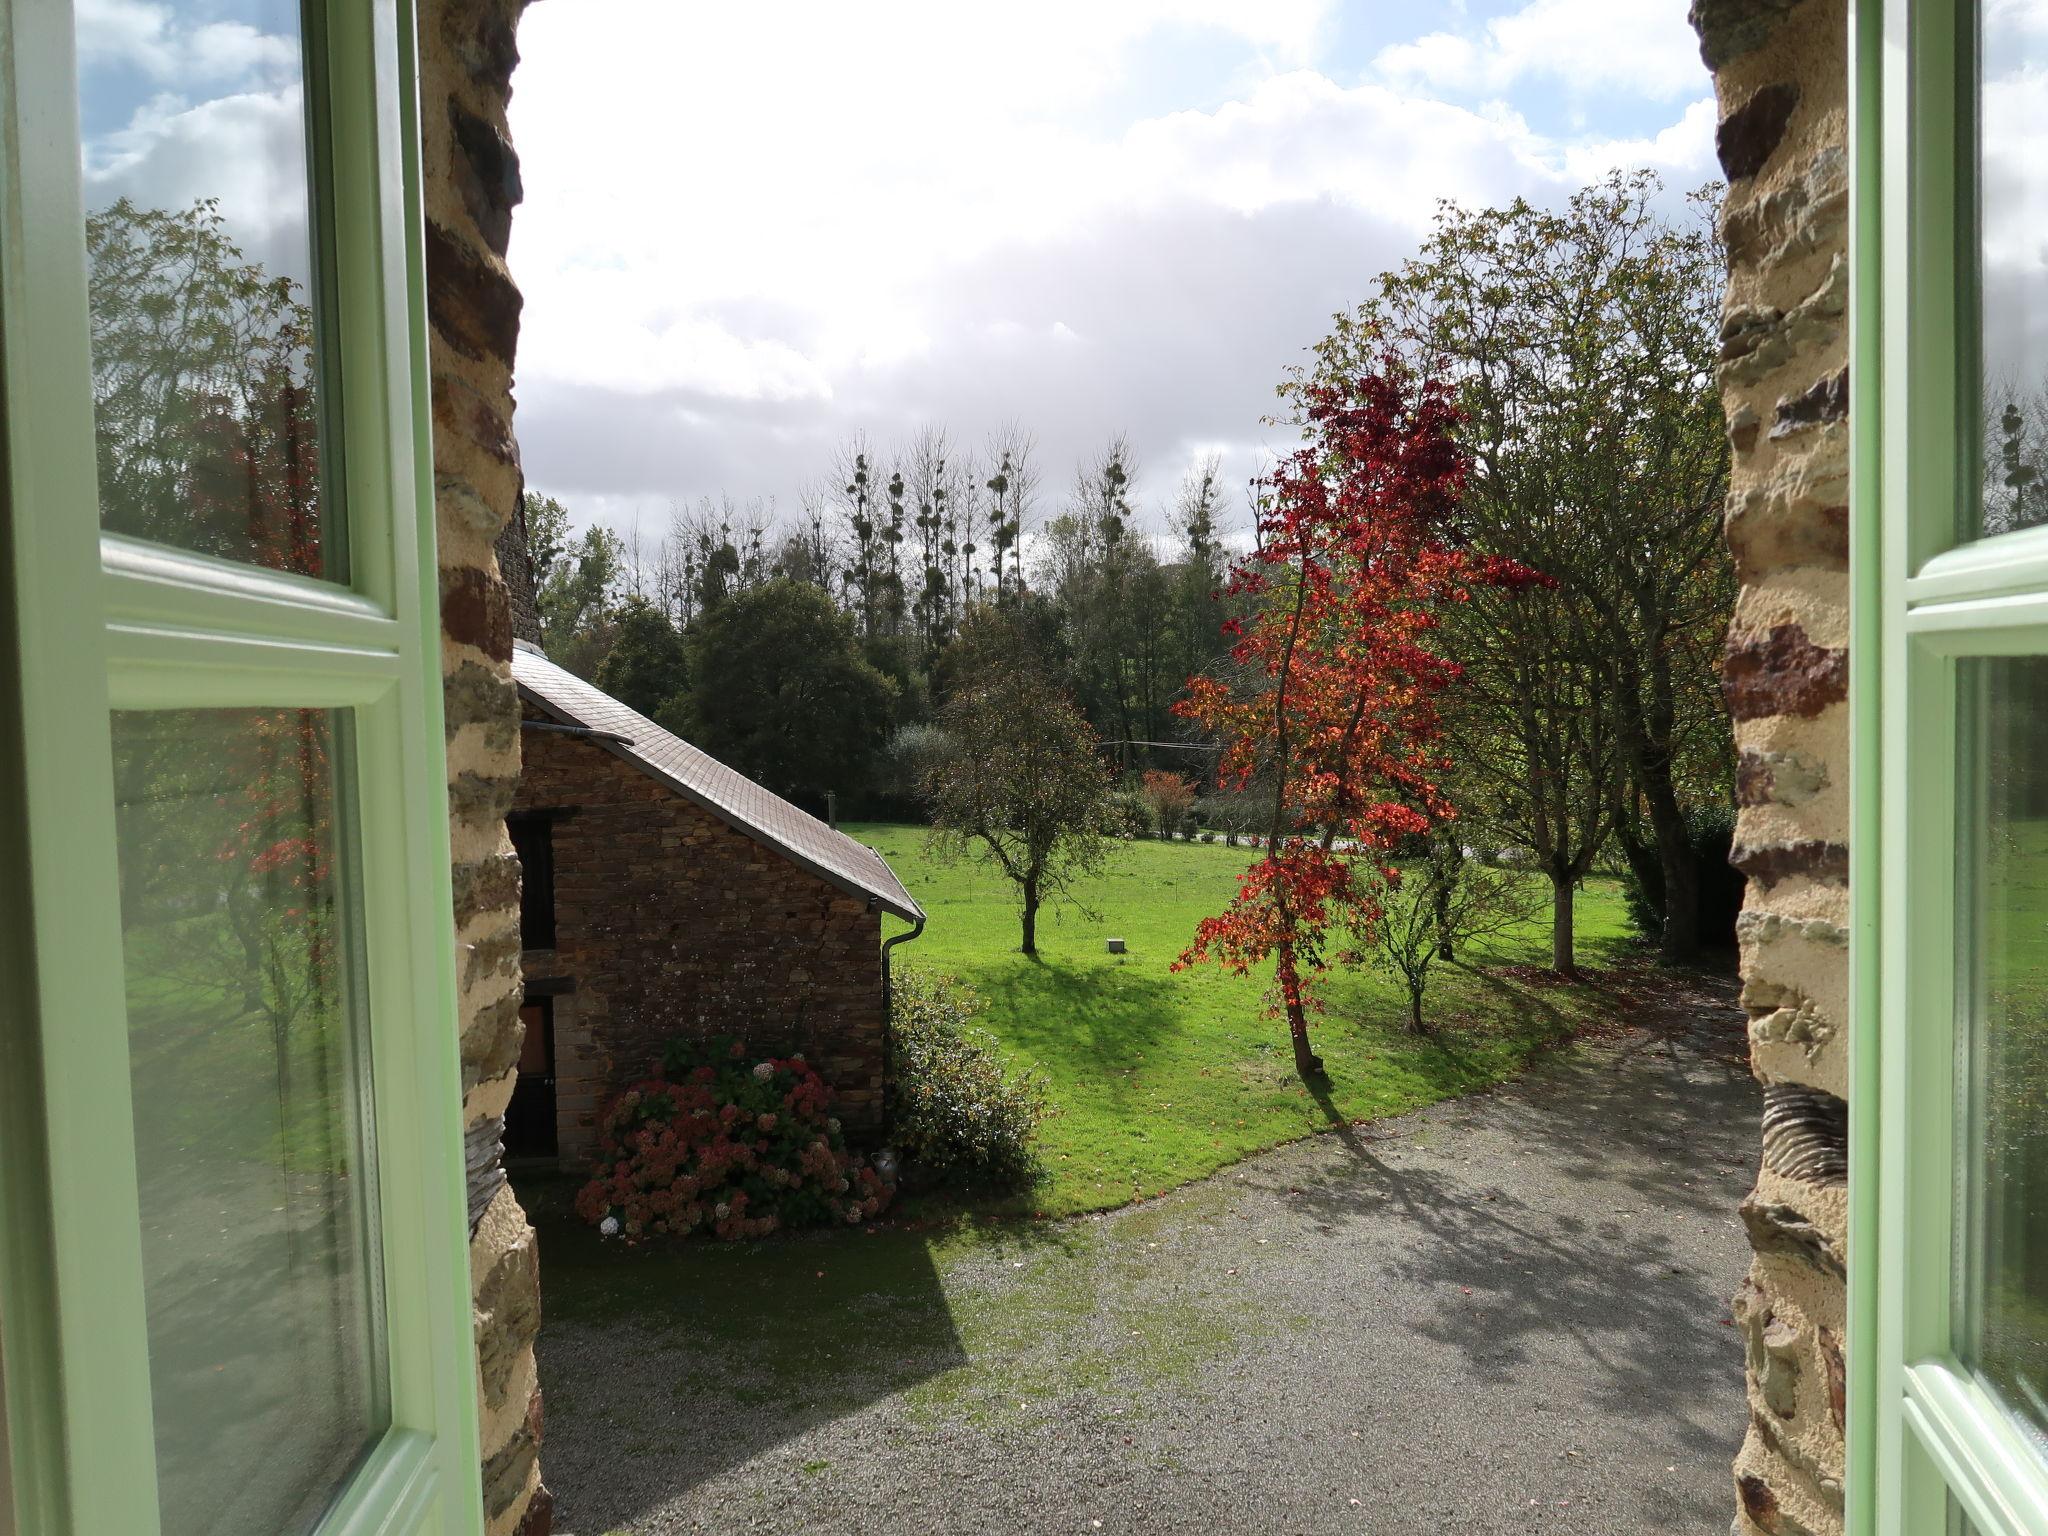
x=471, y=183
x=1781, y=74
x=670, y=922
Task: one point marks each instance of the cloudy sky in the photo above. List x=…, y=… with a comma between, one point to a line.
x=753, y=230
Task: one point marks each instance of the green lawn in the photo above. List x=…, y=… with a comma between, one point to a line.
x=1159, y=1078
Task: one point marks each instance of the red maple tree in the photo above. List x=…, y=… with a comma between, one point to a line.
x=1332, y=708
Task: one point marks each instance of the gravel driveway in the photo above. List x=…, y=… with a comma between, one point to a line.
x=1507, y=1313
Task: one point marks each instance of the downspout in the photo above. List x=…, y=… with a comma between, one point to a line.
x=888, y=1012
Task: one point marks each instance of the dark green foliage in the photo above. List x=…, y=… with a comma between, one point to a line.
x=547, y=534
x=1130, y=816
x=578, y=600
x=1710, y=831
x=904, y=766
x=1024, y=631
x=956, y=1114
x=781, y=692
x=647, y=666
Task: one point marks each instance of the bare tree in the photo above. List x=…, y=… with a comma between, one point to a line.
x=1012, y=489
x=808, y=551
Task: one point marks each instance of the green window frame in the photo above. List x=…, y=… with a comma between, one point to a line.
x=91, y=623
x=1930, y=1444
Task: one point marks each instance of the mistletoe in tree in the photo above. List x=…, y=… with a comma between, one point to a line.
x=1331, y=707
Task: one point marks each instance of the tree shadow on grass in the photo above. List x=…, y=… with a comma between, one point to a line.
x=666, y=1363
x=1081, y=1022
x=1622, y=1148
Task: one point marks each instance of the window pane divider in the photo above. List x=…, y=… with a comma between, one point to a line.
x=155, y=584
x=1984, y=1456
x=151, y=668
x=2003, y=563
x=2013, y=625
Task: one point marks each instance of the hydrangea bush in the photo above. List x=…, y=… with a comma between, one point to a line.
x=720, y=1141
x=957, y=1115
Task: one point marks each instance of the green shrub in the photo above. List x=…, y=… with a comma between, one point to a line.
x=956, y=1115
x=1130, y=816
x=1711, y=831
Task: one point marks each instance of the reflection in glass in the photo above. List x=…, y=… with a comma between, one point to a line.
x=2002, y=1231
x=260, y=1271
x=2012, y=263
x=201, y=259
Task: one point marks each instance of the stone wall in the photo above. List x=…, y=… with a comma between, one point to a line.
x=467, y=52
x=1781, y=73
x=668, y=921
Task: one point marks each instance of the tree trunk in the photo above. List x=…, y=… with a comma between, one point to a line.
x=1307, y=1064
x=1415, y=1024
x=1561, y=926
x=1031, y=918
x=1681, y=936
x=1647, y=739
x=1644, y=862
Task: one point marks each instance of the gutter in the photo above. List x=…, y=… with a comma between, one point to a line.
x=589, y=731
x=888, y=1012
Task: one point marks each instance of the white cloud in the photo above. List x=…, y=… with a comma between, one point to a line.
x=1302, y=137
x=750, y=231
x=1682, y=153
x=1645, y=48
x=198, y=110
x=247, y=151
x=2014, y=193
x=150, y=38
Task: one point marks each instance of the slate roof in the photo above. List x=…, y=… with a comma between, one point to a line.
x=732, y=797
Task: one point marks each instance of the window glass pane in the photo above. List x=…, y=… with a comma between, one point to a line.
x=2012, y=227
x=201, y=250
x=2002, y=1258
x=260, y=1265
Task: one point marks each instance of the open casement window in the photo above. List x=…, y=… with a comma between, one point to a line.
x=233, y=1268
x=1949, y=679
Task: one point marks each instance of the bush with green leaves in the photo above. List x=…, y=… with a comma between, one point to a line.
x=1710, y=829
x=1130, y=815
x=957, y=1114
x=904, y=766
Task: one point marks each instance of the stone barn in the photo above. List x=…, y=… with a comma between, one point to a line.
x=663, y=894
